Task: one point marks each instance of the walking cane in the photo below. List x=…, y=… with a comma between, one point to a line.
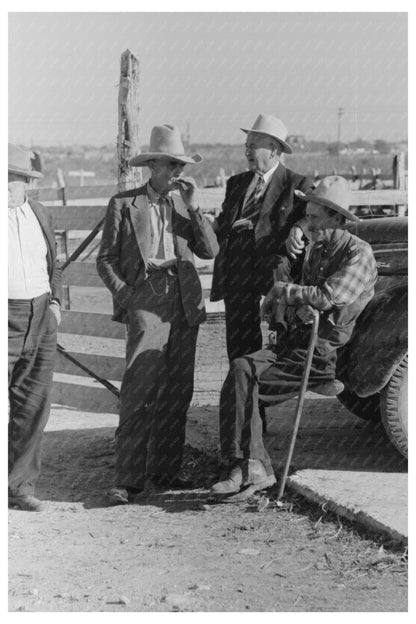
x=301, y=399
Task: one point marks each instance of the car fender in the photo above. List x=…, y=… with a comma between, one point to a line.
x=379, y=341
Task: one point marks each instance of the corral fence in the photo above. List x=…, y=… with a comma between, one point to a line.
x=87, y=333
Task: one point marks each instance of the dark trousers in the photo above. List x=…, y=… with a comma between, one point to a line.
x=157, y=385
x=271, y=376
x=31, y=359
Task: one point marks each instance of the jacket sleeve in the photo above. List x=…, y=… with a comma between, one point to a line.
x=56, y=277
x=204, y=242
x=108, y=259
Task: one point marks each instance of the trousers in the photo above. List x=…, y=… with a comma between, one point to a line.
x=270, y=376
x=32, y=332
x=157, y=385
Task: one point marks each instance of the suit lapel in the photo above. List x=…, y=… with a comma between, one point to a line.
x=273, y=192
x=140, y=219
x=237, y=197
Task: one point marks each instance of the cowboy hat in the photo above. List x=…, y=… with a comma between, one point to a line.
x=333, y=192
x=165, y=142
x=20, y=162
x=267, y=124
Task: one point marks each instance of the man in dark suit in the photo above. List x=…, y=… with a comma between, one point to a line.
x=34, y=315
x=259, y=230
x=146, y=260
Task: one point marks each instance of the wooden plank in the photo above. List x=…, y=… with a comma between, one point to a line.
x=386, y=197
x=90, y=324
x=106, y=366
x=76, y=217
x=82, y=274
x=83, y=394
x=74, y=192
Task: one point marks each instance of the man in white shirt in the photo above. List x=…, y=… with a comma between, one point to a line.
x=34, y=294
x=146, y=261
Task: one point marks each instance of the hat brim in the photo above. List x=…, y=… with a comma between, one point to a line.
x=27, y=174
x=322, y=201
x=141, y=160
x=286, y=147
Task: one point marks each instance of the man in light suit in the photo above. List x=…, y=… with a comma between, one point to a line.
x=34, y=295
x=146, y=260
x=259, y=230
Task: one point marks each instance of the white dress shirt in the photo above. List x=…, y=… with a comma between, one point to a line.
x=161, y=227
x=28, y=269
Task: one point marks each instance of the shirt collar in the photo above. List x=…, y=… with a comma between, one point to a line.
x=336, y=237
x=155, y=197
x=267, y=176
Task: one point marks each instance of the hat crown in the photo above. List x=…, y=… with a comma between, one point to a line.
x=267, y=124
x=19, y=160
x=333, y=189
x=166, y=139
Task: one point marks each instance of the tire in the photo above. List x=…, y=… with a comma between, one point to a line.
x=367, y=408
x=393, y=402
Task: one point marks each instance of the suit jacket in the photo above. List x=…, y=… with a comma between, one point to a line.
x=279, y=212
x=124, y=251
x=54, y=271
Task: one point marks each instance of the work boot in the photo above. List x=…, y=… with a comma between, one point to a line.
x=254, y=474
x=121, y=495
x=232, y=484
x=25, y=502
x=328, y=388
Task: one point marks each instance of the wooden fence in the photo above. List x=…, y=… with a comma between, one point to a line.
x=87, y=332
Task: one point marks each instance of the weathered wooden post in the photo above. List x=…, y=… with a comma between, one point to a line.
x=399, y=180
x=128, y=144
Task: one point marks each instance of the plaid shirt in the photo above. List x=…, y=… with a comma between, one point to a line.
x=335, y=274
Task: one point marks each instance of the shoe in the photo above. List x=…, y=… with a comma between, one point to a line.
x=255, y=476
x=173, y=483
x=328, y=388
x=120, y=495
x=25, y=502
x=231, y=485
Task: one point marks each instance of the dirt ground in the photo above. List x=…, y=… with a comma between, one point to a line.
x=173, y=551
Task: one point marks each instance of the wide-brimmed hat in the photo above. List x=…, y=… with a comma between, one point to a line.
x=267, y=124
x=20, y=162
x=165, y=142
x=333, y=192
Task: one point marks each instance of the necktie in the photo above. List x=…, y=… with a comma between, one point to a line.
x=251, y=209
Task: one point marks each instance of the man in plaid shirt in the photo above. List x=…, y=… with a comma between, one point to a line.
x=338, y=279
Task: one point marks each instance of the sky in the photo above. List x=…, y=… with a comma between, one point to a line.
x=212, y=71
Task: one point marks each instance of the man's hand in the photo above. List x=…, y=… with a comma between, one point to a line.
x=156, y=264
x=271, y=300
x=306, y=313
x=55, y=308
x=243, y=224
x=294, y=243
x=189, y=192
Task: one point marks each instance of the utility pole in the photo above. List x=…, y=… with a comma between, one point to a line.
x=340, y=114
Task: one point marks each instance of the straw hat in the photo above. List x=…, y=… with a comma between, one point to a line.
x=20, y=162
x=165, y=142
x=267, y=124
x=333, y=192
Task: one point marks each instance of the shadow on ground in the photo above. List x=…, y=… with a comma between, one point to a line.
x=78, y=463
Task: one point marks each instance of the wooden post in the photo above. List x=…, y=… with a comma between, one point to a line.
x=128, y=122
x=399, y=180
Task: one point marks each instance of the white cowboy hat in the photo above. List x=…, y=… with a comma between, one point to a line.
x=267, y=124
x=20, y=162
x=165, y=142
x=333, y=192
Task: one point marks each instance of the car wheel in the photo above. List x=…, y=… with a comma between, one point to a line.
x=367, y=408
x=393, y=402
